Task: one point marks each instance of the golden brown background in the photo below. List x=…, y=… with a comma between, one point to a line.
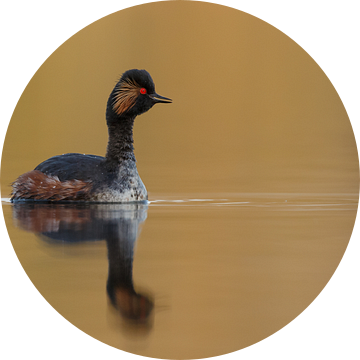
x=252, y=112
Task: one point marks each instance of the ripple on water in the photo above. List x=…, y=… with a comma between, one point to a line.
x=282, y=202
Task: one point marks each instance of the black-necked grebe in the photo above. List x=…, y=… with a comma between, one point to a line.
x=113, y=178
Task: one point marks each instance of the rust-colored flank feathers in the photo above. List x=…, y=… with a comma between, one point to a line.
x=36, y=185
x=126, y=93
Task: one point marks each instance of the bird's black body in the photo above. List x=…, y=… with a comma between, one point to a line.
x=113, y=178
x=73, y=166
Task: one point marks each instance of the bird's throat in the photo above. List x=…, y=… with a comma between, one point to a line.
x=120, y=146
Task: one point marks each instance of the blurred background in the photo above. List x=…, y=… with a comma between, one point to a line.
x=251, y=112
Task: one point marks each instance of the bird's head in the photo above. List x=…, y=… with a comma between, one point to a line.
x=134, y=94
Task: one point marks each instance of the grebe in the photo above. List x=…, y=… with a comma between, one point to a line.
x=113, y=178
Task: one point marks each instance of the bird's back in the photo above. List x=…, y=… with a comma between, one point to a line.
x=72, y=166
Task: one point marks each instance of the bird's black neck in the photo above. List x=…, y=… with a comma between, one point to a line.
x=120, y=146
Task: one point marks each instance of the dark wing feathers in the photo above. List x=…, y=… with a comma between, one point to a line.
x=71, y=166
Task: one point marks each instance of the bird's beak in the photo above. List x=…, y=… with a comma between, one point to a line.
x=160, y=99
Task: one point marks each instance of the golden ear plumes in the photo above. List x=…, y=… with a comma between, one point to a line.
x=125, y=96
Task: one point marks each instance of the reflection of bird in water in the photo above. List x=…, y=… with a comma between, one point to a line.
x=113, y=178
x=120, y=286
x=118, y=224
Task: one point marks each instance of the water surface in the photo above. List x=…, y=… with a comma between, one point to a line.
x=186, y=276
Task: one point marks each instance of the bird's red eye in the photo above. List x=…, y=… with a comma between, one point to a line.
x=142, y=91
